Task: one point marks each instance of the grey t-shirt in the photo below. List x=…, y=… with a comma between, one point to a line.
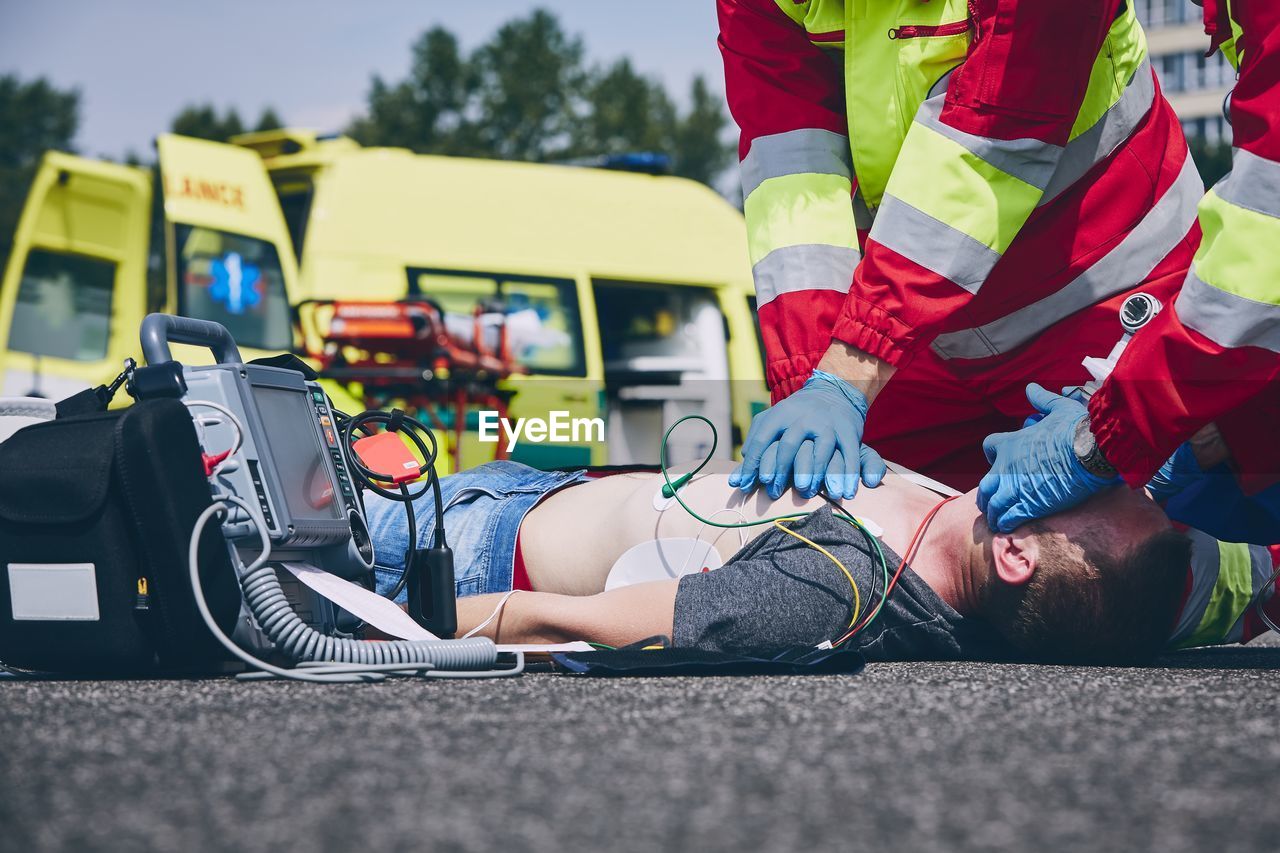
x=779, y=593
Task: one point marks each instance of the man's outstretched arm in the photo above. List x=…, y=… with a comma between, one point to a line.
x=615, y=618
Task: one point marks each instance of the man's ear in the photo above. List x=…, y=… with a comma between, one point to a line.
x=1015, y=556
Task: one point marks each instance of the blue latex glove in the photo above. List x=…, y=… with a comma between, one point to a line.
x=1034, y=471
x=812, y=438
x=1072, y=392
x=1179, y=473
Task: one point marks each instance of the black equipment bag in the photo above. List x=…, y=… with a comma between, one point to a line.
x=90, y=506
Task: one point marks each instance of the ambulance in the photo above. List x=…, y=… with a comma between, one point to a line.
x=639, y=283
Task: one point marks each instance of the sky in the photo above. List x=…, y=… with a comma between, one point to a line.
x=138, y=62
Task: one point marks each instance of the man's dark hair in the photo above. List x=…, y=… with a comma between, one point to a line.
x=1106, y=609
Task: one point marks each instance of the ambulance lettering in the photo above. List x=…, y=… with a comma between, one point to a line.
x=199, y=189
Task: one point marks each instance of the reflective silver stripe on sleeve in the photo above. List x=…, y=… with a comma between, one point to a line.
x=805, y=151
x=1109, y=133
x=1253, y=183
x=933, y=244
x=1263, y=567
x=1227, y=319
x=1029, y=160
x=1205, y=559
x=1124, y=267
x=813, y=266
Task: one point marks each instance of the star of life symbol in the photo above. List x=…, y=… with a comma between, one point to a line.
x=235, y=283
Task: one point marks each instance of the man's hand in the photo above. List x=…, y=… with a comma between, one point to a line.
x=1188, y=465
x=1179, y=472
x=812, y=437
x=1037, y=470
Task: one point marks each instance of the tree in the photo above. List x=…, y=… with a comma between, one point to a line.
x=34, y=117
x=268, y=119
x=525, y=94
x=529, y=76
x=427, y=111
x=203, y=122
x=700, y=150
x=624, y=112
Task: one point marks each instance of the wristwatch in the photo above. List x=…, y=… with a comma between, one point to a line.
x=1090, y=455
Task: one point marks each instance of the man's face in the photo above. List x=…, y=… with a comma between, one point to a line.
x=1119, y=515
x=1098, y=583
x=1116, y=519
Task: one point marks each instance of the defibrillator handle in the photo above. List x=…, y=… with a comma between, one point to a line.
x=158, y=330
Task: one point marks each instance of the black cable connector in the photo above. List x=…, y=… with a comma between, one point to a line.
x=433, y=602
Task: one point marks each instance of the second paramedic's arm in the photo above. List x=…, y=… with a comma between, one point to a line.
x=1223, y=580
x=1218, y=345
x=1226, y=479
x=616, y=618
x=972, y=169
x=787, y=97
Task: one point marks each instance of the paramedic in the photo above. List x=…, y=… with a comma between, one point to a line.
x=944, y=201
x=1212, y=357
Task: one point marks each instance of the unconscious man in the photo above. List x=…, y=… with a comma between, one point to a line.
x=1100, y=583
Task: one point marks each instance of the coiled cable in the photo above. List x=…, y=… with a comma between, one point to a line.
x=324, y=658
x=28, y=407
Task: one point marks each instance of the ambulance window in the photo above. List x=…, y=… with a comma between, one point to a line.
x=544, y=327
x=236, y=281
x=63, y=308
x=661, y=328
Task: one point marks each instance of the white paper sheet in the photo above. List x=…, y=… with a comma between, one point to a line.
x=386, y=615
x=921, y=480
x=578, y=646
x=383, y=614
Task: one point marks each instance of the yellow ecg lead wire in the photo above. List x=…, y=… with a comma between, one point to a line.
x=857, y=596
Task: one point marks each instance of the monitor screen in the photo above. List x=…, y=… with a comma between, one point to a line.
x=289, y=421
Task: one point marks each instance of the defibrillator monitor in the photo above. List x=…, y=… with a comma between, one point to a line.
x=289, y=463
x=310, y=493
x=297, y=480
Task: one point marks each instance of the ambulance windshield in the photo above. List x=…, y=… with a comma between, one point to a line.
x=236, y=281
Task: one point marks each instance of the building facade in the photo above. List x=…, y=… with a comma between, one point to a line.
x=1196, y=85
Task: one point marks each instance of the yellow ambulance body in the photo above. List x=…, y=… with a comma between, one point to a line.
x=640, y=284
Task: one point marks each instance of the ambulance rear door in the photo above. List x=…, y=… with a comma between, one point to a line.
x=74, y=288
x=230, y=259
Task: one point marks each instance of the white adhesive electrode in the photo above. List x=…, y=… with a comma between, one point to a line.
x=660, y=503
x=663, y=559
x=871, y=527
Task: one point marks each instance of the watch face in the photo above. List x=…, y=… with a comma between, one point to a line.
x=1082, y=442
x=1137, y=311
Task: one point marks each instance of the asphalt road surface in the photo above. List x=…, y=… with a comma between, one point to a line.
x=918, y=757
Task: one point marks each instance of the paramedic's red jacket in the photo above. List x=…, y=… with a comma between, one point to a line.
x=1212, y=355
x=1014, y=106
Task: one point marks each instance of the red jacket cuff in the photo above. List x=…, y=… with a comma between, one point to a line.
x=1134, y=459
x=786, y=375
x=873, y=330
